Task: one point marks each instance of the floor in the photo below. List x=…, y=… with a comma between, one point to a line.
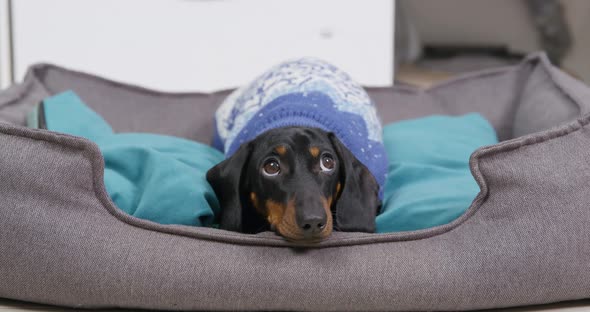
x=572, y=306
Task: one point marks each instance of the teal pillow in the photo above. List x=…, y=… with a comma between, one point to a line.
x=154, y=177
x=429, y=181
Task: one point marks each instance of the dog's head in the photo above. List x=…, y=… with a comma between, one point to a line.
x=300, y=182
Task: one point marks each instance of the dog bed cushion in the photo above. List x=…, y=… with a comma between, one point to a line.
x=153, y=177
x=523, y=240
x=429, y=181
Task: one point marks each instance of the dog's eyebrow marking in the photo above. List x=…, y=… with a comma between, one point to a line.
x=281, y=150
x=314, y=151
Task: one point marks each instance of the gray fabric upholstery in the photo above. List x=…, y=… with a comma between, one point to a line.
x=524, y=240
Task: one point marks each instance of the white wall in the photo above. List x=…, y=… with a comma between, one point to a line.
x=184, y=45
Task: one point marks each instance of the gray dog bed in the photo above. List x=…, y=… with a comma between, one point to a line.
x=524, y=240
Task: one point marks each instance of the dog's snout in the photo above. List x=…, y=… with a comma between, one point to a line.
x=312, y=216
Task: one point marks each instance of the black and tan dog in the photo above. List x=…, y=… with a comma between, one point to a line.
x=304, y=154
x=300, y=182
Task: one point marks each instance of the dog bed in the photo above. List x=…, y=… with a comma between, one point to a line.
x=524, y=239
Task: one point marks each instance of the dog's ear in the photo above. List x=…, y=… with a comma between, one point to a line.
x=358, y=202
x=226, y=180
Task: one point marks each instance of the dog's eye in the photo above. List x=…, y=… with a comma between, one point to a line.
x=327, y=163
x=271, y=167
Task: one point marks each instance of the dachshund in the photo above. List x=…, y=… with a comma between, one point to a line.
x=300, y=182
x=304, y=154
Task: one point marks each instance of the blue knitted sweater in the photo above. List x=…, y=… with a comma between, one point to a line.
x=305, y=92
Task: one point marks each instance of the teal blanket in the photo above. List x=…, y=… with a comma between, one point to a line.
x=154, y=177
x=162, y=178
x=429, y=181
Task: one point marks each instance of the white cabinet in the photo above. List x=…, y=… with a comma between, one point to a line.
x=190, y=45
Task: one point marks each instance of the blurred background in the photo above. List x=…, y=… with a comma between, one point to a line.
x=192, y=45
x=435, y=39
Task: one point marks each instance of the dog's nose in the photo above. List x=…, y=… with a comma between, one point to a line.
x=313, y=224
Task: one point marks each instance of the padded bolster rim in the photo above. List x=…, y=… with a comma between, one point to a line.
x=93, y=155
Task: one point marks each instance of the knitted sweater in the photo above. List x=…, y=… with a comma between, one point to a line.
x=305, y=92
